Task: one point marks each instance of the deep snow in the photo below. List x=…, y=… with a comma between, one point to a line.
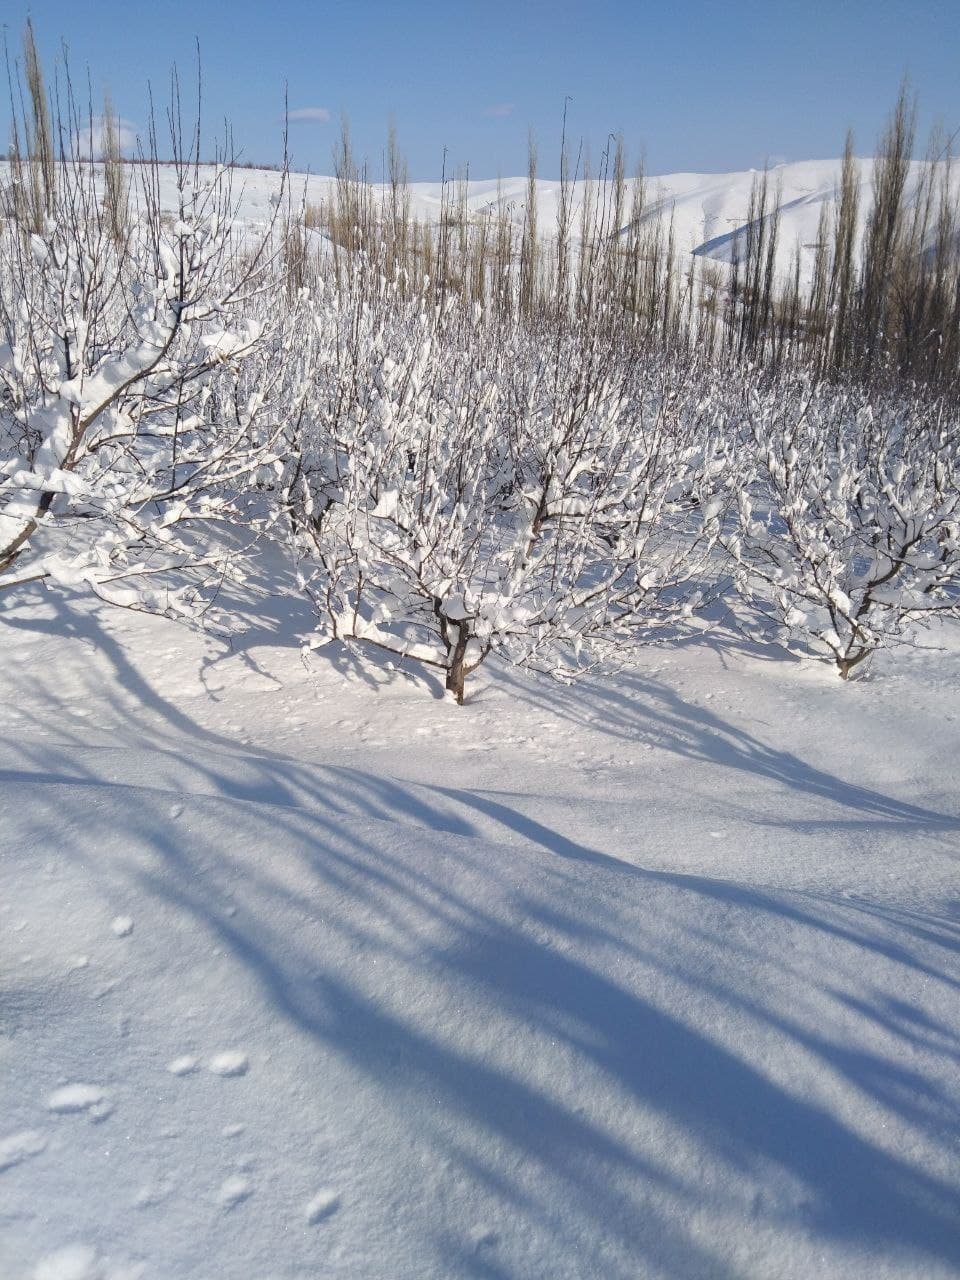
x=308, y=972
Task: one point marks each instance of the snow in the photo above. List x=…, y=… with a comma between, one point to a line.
x=75, y=1097
x=183, y=1065
x=20, y=1146
x=709, y=210
x=656, y=975
x=73, y=1262
x=234, y=1189
x=230, y=1063
x=323, y=1205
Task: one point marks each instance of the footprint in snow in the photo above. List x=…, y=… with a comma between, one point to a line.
x=232, y=1062
x=20, y=1146
x=233, y=1190
x=182, y=1066
x=323, y=1205
x=80, y=1097
x=122, y=926
x=483, y=1238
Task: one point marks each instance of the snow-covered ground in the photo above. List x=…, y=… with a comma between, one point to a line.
x=308, y=972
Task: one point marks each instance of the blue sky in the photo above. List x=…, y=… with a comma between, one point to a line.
x=693, y=86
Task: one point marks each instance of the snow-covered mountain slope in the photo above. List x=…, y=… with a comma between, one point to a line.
x=313, y=973
x=709, y=210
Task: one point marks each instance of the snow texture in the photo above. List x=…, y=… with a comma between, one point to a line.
x=183, y=1065
x=323, y=1204
x=20, y=1146
x=230, y=1063
x=75, y=1097
x=656, y=976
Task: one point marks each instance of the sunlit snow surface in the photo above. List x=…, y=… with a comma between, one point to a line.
x=309, y=973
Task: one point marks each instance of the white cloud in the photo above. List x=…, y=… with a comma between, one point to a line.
x=309, y=115
x=499, y=110
x=91, y=137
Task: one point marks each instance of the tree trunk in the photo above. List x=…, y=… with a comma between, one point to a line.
x=455, y=681
x=846, y=665
x=456, y=669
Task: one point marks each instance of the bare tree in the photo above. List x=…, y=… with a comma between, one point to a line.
x=125, y=418
x=848, y=536
x=457, y=492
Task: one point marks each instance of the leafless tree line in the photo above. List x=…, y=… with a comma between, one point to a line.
x=468, y=454
x=881, y=304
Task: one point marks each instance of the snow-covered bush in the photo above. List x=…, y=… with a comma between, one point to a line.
x=129, y=411
x=463, y=488
x=849, y=535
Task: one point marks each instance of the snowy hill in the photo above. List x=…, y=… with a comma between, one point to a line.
x=312, y=973
x=709, y=211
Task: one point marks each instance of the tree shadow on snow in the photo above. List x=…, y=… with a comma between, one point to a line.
x=646, y=710
x=583, y=1044
x=573, y=1039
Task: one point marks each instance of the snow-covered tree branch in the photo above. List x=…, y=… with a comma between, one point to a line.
x=458, y=491
x=126, y=408
x=850, y=534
